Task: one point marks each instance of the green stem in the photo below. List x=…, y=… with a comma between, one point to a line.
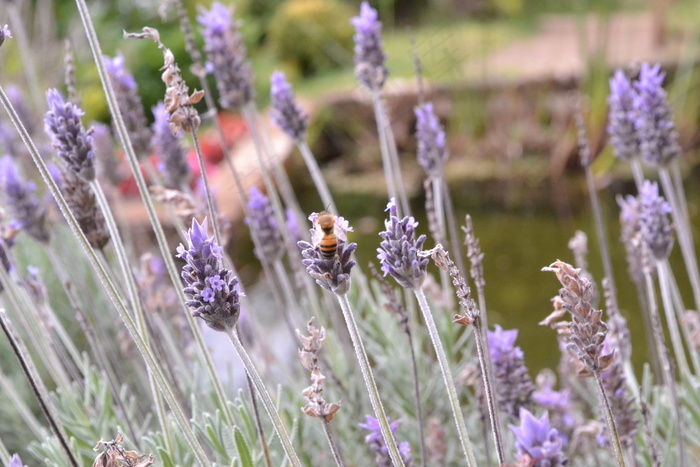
x=331, y=442
x=367, y=375
x=317, y=176
x=612, y=429
x=40, y=391
x=265, y=397
x=447, y=377
x=207, y=189
x=487, y=375
x=666, y=365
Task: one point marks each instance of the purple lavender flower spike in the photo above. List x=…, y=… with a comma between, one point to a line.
x=285, y=112
x=332, y=274
x=130, y=104
x=262, y=223
x=376, y=444
x=538, y=441
x=513, y=382
x=4, y=34
x=226, y=55
x=621, y=117
x=656, y=229
x=73, y=144
x=399, y=250
x=658, y=138
x=173, y=164
x=370, y=68
x=27, y=213
x=211, y=288
x=15, y=461
x=432, y=147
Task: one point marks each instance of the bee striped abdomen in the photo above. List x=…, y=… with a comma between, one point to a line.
x=328, y=246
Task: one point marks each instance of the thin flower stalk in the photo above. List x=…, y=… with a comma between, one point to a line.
x=471, y=316
x=150, y=208
x=585, y=336
x=31, y=75
x=316, y=406
x=394, y=306
x=667, y=367
x=586, y=159
x=214, y=296
x=268, y=403
x=683, y=229
x=40, y=391
x=102, y=274
x=401, y=256
x=332, y=273
x=371, y=72
x=368, y=376
x=136, y=304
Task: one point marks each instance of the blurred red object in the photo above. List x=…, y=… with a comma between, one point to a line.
x=234, y=128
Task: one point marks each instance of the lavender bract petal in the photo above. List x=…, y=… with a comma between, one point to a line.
x=285, y=112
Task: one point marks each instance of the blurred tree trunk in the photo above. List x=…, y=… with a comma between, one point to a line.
x=659, y=13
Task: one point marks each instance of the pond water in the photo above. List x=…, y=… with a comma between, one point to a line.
x=518, y=240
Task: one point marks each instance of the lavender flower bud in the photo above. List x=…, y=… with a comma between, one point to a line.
x=15, y=461
x=432, y=148
x=538, y=441
x=130, y=104
x=226, y=55
x=4, y=34
x=27, y=213
x=622, y=404
x=370, y=68
x=82, y=203
x=73, y=144
x=513, y=382
x=621, y=117
x=587, y=329
x=631, y=236
x=399, y=250
x=263, y=224
x=557, y=403
x=173, y=164
x=376, y=443
x=333, y=274
x=285, y=112
x=658, y=138
x=212, y=289
x=655, y=226
x=316, y=406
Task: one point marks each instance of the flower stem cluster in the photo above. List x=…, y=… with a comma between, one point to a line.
x=27, y=213
x=130, y=104
x=513, y=383
x=178, y=100
x=315, y=406
x=370, y=67
x=262, y=222
x=285, y=112
x=226, y=55
x=332, y=274
x=432, y=145
x=586, y=332
x=538, y=444
x=211, y=288
x=375, y=441
x=653, y=219
x=399, y=253
x=73, y=144
x=172, y=165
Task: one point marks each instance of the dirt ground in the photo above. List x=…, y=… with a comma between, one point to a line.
x=563, y=43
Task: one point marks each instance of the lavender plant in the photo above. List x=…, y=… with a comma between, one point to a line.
x=217, y=427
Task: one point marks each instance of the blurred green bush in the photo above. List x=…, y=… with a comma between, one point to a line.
x=312, y=36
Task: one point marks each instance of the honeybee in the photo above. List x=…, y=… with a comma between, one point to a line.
x=329, y=242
